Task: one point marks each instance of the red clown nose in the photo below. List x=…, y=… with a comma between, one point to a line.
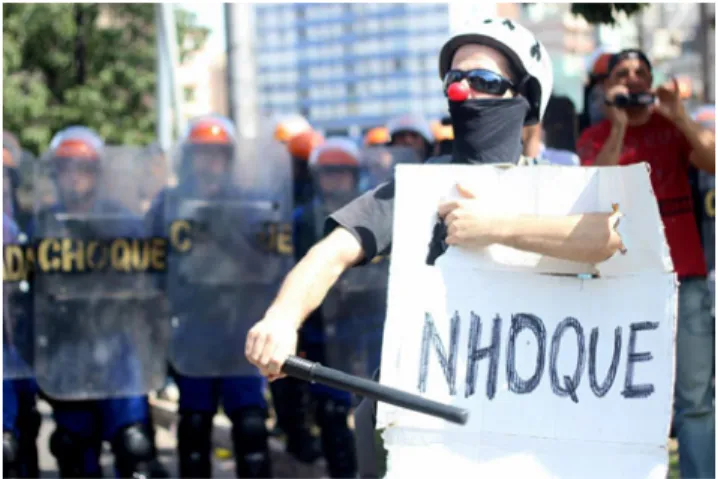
x=458, y=91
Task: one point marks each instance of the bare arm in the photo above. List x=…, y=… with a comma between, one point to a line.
x=611, y=151
x=702, y=141
x=306, y=286
x=588, y=238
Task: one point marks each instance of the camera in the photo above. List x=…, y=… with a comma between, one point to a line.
x=632, y=99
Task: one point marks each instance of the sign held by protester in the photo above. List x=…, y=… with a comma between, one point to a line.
x=566, y=370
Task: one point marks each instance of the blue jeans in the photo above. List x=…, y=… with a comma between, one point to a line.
x=98, y=420
x=236, y=393
x=694, y=409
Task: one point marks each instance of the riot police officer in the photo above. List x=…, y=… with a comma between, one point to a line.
x=377, y=136
x=336, y=172
x=413, y=131
x=114, y=407
x=215, y=287
x=21, y=420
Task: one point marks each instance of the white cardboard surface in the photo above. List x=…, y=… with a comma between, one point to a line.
x=538, y=433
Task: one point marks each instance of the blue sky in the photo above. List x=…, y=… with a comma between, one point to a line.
x=210, y=15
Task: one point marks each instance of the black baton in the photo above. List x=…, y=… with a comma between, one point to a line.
x=316, y=373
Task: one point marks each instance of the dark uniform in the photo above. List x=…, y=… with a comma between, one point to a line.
x=214, y=298
x=90, y=351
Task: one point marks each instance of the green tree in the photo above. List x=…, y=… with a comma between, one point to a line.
x=605, y=13
x=84, y=64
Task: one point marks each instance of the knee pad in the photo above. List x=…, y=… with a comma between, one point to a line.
x=29, y=425
x=10, y=455
x=251, y=446
x=337, y=439
x=70, y=451
x=134, y=450
x=194, y=438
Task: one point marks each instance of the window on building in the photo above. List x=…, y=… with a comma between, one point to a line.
x=352, y=109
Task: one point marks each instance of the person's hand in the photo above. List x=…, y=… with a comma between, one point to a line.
x=270, y=342
x=669, y=101
x=465, y=225
x=617, y=116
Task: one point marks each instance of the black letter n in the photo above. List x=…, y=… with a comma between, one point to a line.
x=448, y=365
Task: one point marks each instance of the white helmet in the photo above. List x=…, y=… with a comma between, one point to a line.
x=337, y=151
x=89, y=137
x=525, y=53
x=413, y=123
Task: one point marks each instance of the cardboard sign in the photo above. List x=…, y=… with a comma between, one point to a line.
x=564, y=375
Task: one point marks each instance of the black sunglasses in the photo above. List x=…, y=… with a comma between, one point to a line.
x=484, y=81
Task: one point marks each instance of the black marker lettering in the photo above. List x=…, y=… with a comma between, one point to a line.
x=476, y=354
x=575, y=380
x=448, y=364
x=518, y=322
x=642, y=390
x=602, y=390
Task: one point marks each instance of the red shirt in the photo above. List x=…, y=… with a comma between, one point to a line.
x=666, y=149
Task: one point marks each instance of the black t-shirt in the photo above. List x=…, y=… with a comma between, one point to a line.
x=370, y=218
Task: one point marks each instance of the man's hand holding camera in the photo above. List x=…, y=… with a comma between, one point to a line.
x=669, y=102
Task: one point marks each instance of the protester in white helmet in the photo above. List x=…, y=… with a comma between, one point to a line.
x=412, y=131
x=498, y=79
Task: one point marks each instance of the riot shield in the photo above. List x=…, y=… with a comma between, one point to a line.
x=354, y=310
x=707, y=225
x=101, y=319
x=17, y=302
x=705, y=116
x=379, y=161
x=231, y=247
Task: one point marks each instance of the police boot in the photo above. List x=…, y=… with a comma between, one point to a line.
x=70, y=452
x=194, y=445
x=337, y=439
x=135, y=452
x=251, y=443
x=290, y=398
x=29, y=425
x=10, y=455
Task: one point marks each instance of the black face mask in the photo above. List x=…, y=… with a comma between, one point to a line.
x=488, y=130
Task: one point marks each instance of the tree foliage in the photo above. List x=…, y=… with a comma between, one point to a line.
x=605, y=13
x=84, y=64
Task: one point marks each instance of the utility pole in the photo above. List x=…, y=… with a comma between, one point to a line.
x=241, y=74
x=162, y=92
x=707, y=50
x=641, y=30
x=172, y=50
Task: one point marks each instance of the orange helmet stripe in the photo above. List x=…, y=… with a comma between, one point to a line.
x=209, y=133
x=336, y=157
x=75, y=149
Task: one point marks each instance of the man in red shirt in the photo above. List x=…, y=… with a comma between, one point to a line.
x=663, y=135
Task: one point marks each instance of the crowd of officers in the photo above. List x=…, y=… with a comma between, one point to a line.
x=126, y=423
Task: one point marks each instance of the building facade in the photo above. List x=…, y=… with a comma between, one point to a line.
x=348, y=67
